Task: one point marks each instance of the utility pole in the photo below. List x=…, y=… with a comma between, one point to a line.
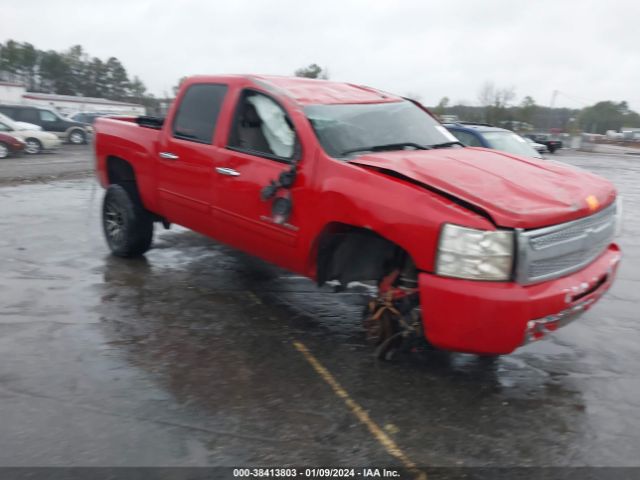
x=551, y=104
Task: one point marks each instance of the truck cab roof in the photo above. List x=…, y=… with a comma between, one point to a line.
x=306, y=91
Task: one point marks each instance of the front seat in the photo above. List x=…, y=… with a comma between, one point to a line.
x=250, y=136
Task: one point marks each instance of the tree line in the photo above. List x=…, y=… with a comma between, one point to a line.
x=495, y=105
x=69, y=72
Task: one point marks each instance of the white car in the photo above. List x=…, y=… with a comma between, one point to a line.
x=28, y=126
x=36, y=140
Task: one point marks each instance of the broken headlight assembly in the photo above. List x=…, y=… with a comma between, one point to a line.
x=475, y=254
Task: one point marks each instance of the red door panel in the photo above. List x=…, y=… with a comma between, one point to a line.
x=185, y=175
x=247, y=218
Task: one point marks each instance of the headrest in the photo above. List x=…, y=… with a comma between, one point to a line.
x=250, y=117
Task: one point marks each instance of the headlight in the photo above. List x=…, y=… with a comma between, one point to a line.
x=475, y=254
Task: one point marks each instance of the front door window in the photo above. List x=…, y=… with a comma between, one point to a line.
x=262, y=128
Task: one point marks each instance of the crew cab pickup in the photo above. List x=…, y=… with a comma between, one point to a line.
x=475, y=250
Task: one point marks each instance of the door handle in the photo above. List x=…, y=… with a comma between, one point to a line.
x=227, y=171
x=169, y=156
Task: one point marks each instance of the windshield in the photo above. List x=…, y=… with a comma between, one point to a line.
x=350, y=128
x=509, y=142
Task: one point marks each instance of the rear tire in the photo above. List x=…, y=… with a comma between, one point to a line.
x=127, y=225
x=77, y=137
x=4, y=150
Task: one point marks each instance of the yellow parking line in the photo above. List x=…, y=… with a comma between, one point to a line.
x=360, y=413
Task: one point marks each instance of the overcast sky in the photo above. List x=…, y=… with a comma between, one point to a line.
x=587, y=50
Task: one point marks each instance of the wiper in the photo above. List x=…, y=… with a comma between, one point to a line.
x=447, y=144
x=388, y=146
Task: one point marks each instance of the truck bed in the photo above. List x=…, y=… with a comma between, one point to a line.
x=127, y=138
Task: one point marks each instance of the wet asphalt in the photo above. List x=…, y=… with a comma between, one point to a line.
x=70, y=161
x=186, y=358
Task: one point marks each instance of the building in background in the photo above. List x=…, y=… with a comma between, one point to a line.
x=11, y=92
x=16, y=93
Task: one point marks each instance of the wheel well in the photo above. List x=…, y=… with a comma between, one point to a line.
x=347, y=254
x=120, y=172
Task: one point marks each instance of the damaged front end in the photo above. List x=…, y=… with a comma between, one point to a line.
x=392, y=317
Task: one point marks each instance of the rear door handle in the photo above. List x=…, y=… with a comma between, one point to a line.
x=169, y=156
x=227, y=171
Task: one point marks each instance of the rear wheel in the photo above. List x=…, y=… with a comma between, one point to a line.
x=77, y=137
x=33, y=146
x=128, y=227
x=4, y=150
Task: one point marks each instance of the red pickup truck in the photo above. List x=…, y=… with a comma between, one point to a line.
x=473, y=249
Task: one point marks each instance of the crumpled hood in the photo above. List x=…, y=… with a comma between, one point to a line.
x=516, y=192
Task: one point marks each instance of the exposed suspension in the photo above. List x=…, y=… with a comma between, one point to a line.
x=393, y=320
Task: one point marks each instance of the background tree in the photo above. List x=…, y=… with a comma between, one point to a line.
x=96, y=73
x=117, y=84
x=441, y=108
x=137, y=89
x=19, y=63
x=10, y=60
x=312, y=71
x=527, y=109
x=495, y=102
x=71, y=72
x=78, y=63
x=175, y=88
x=607, y=115
x=55, y=74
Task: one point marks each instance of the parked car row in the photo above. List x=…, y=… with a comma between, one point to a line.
x=48, y=120
x=496, y=138
x=488, y=136
x=34, y=139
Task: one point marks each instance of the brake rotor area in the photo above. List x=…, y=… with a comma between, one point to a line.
x=393, y=322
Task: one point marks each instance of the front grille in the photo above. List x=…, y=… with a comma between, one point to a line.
x=558, y=250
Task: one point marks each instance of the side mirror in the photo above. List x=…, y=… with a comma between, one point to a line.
x=287, y=178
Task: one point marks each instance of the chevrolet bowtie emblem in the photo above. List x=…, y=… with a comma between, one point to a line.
x=593, y=202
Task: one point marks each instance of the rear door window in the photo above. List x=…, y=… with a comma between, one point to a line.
x=198, y=113
x=8, y=111
x=29, y=115
x=47, y=116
